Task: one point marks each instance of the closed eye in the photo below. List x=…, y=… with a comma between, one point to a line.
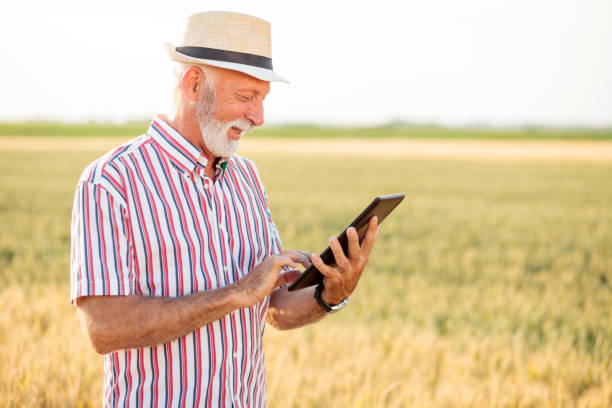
x=243, y=97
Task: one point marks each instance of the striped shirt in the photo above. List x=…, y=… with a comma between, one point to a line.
x=147, y=221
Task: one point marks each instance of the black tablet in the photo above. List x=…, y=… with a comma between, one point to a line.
x=380, y=207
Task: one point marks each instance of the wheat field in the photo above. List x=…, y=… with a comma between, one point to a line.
x=491, y=286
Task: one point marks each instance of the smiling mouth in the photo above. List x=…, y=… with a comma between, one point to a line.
x=235, y=133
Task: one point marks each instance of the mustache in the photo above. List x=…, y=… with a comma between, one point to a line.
x=241, y=124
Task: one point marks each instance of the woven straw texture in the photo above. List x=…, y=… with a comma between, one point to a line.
x=229, y=31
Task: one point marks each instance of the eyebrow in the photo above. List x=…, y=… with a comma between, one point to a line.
x=252, y=91
x=256, y=92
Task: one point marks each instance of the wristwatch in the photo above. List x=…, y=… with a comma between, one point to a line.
x=324, y=305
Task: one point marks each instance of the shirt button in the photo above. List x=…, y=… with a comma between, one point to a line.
x=206, y=186
x=235, y=355
x=225, y=269
x=237, y=396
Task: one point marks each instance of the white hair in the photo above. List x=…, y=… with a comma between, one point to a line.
x=180, y=69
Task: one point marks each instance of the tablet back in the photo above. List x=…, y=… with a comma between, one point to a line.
x=380, y=207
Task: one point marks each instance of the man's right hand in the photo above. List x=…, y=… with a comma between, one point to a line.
x=267, y=276
x=122, y=322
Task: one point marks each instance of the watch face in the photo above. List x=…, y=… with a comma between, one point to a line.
x=340, y=305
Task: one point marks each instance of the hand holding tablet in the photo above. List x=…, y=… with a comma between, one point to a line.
x=379, y=207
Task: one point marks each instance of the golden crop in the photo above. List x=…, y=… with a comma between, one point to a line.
x=491, y=285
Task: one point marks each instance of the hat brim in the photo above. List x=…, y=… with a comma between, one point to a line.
x=257, y=72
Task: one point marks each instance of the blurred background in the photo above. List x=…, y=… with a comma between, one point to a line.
x=542, y=62
x=491, y=285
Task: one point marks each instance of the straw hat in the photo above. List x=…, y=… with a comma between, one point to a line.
x=227, y=40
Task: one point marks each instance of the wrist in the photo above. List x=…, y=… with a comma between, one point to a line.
x=328, y=307
x=330, y=298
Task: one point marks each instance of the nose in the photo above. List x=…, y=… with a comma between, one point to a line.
x=255, y=113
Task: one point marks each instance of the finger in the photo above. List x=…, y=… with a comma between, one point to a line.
x=306, y=255
x=325, y=270
x=370, y=237
x=282, y=261
x=373, y=223
x=298, y=256
x=287, y=277
x=354, y=250
x=336, y=248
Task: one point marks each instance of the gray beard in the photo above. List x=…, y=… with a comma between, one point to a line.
x=214, y=132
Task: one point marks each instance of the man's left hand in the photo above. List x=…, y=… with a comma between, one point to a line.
x=340, y=280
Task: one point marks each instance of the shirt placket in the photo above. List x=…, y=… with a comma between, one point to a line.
x=204, y=186
x=232, y=361
x=208, y=189
x=213, y=197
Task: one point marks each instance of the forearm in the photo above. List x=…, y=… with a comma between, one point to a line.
x=290, y=310
x=122, y=322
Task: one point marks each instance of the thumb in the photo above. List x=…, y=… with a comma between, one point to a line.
x=287, y=277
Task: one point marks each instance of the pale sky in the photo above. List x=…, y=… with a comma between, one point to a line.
x=349, y=62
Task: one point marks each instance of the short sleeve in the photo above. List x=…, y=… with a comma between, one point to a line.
x=100, y=248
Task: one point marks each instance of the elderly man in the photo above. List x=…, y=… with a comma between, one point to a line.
x=176, y=263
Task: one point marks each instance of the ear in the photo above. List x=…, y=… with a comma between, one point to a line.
x=193, y=80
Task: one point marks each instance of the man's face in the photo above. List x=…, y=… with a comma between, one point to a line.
x=230, y=110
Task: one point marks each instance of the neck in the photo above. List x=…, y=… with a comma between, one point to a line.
x=187, y=124
x=189, y=127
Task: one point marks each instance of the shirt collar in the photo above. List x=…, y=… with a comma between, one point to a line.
x=180, y=150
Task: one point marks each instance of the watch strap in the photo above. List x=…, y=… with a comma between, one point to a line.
x=324, y=305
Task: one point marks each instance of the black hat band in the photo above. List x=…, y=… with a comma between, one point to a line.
x=227, y=56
